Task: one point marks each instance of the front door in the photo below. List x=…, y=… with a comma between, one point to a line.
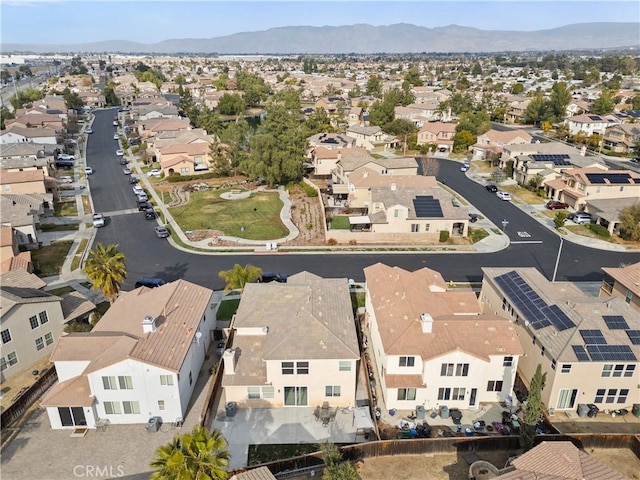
x=472, y=397
x=295, y=396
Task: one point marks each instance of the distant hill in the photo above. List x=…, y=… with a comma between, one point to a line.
x=363, y=39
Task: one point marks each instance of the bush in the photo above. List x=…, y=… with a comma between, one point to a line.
x=308, y=189
x=332, y=241
x=444, y=236
x=599, y=230
x=559, y=219
x=187, y=178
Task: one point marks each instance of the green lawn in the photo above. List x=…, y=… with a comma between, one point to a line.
x=477, y=234
x=227, y=309
x=65, y=209
x=339, y=222
x=258, y=214
x=47, y=261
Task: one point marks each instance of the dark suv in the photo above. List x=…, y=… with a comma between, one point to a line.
x=150, y=282
x=273, y=277
x=492, y=188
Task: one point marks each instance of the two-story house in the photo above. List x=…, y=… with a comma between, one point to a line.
x=588, y=346
x=185, y=159
x=331, y=104
x=27, y=156
x=141, y=360
x=622, y=282
x=492, y=142
x=294, y=344
x=622, y=138
x=551, y=166
x=588, y=124
x=372, y=138
x=431, y=344
x=439, y=134
x=18, y=134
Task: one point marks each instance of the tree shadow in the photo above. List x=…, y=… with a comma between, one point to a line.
x=172, y=272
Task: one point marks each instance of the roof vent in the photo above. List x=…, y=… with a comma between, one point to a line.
x=426, y=320
x=148, y=324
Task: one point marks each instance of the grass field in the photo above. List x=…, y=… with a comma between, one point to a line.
x=339, y=222
x=522, y=193
x=48, y=261
x=258, y=214
x=227, y=309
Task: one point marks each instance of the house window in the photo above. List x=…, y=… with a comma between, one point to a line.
x=462, y=369
x=131, y=408
x=302, y=368
x=630, y=370
x=458, y=393
x=606, y=370
x=166, y=379
x=566, y=368
x=554, y=364
x=184, y=170
x=611, y=395
x=160, y=404
x=43, y=317
x=48, y=338
x=407, y=361
x=39, y=343
x=344, y=366
x=426, y=227
x=109, y=383
x=406, y=394
x=415, y=227
x=112, y=408
x=287, y=368
x=6, y=336
x=126, y=383
x=622, y=397
x=617, y=370
x=622, y=189
x=446, y=370
x=33, y=321
x=332, y=391
x=253, y=393
x=396, y=213
x=12, y=359
x=494, y=386
x=444, y=393
x=268, y=392
x=628, y=297
x=599, y=395
x=507, y=362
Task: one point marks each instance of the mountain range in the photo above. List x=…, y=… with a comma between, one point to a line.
x=368, y=39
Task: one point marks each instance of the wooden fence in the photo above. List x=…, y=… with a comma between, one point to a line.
x=35, y=391
x=214, y=393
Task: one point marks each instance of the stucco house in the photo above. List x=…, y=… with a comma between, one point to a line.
x=622, y=138
x=588, y=124
x=294, y=345
x=431, y=344
x=353, y=158
x=439, y=134
x=141, y=360
x=23, y=212
x=185, y=159
x=18, y=134
x=372, y=138
x=551, y=166
x=622, y=282
x=27, y=156
x=493, y=141
x=586, y=345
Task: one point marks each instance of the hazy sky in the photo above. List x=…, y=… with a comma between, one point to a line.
x=64, y=22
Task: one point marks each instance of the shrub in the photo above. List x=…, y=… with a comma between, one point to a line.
x=353, y=242
x=559, y=219
x=309, y=190
x=599, y=230
x=444, y=236
x=332, y=241
x=187, y=178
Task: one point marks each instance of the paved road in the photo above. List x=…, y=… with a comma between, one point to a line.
x=150, y=256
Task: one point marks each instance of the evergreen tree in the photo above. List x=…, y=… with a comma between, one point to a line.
x=534, y=411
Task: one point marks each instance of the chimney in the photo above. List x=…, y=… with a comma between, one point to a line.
x=426, y=321
x=148, y=324
x=229, y=359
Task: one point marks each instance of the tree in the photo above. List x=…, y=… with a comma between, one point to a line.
x=517, y=88
x=604, y=104
x=413, y=77
x=106, y=269
x=630, y=222
x=374, y=86
x=231, y=104
x=559, y=219
x=5, y=114
x=536, y=111
x=381, y=113
x=72, y=100
x=335, y=468
x=198, y=455
x=237, y=277
x=462, y=140
x=533, y=412
x=559, y=101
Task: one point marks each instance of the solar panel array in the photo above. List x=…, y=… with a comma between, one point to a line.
x=531, y=305
x=615, y=322
x=557, y=159
x=595, y=118
x=603, y=353
x=634, y=336
x=581, y=353
x=593, y=337
x=613, y=178
x=427, y=206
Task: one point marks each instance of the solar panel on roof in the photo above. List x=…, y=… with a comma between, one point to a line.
x=634, y=336
x=603, y=353
x=595, y=118
x=580, y=352
x=427, y=206
x=593, y=337
x=613, y=178
x=615, y=322
x=556, y=159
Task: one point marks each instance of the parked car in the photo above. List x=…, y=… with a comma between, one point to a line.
x=137, y=190
x=65, y=179
x=635, y=160
x=133, y=179
x=120, y=153
x=88, y=170
x=116, y=136
x=581, y=218
x=149, y=282
x=473, y=217
x=150, y=213
x=161, y=232
x=464, y=168
x=154, y=173
x=89, y=131
x=115, y=123
x=126, y=171
x=504, y=195
x=555, y=205
x=492, y=188
x=142, y=206
x=142, y=197
x=65, y=156
x=98, y=220
x=273, y=277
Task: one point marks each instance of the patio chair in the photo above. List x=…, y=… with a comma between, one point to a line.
x=316, y=413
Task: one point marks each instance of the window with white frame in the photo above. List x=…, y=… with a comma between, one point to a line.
x=268, y=392
x=415, y=227
x=332, y=391
x=630, y=370
x=599, y=395
x=39, y=343
x=166, y=379
x=184, y=170
x=33, y=321
x=253, y=393
x=44, y=318
x=396, y=213
x=407, y=361
x=457, y=393
x=12, y=359
x=622, y=396
x=427, y=227
x=606, y=370
x=109, y=383
x=406, y=394
x=611, y=395
x=287, y=368
x=507, y=362
x=617, y=370
x=444, y=393
x=566, y=368
x=5, y=335
x=48, y=338
x=160, y=404
x=126, y=382
x=494, y=386
x=131, y=407
x=446, y=370
x=344, y=366
x=462, y=369
x=302, y=368
x=112, y=408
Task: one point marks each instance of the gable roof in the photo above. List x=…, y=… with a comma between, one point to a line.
x=12, y=296
x=21, y=278
x=364, y=177
x=628, y=276
x=353, y=158
x=24, y=176
x=437, y=127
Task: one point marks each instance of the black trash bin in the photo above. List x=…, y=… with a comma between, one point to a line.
x=231, y=408
x=153, y=425
x=593, y=410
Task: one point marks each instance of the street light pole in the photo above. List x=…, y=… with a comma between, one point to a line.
x=555, y=269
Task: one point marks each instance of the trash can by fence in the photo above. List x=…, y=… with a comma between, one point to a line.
x=231, y=408
x=636, y=410
x=420, y=412
x=444, y=411
x=583, y=410
x=153, y=425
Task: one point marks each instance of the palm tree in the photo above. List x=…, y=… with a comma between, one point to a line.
x=239, y=276
x=198, y=455
x=106, y=269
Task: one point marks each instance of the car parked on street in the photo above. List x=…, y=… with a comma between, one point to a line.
x=161, y=232
x=137, y=190
x=120, y=153
x=492, y=188
x=555, y=205
x=150, y=214
x=142, y=206
x=89, y=131
x=149, y=282
x=142, y=197
x=133, y=179
x=88, y=170
x=98, y=220
x=116, y=136
x=464, y=168
x=503, y=196
x=272, y=277
x=126, y=171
